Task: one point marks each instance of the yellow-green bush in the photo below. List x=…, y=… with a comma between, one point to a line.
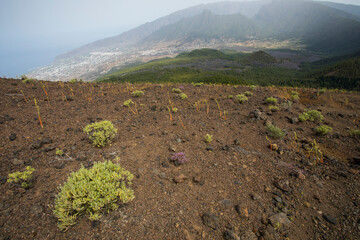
x=92, y=191
x=271, y=100
x=176, y=90
x=323, y=130
x=311, y=115
x=274, y=131
x=137, y=93
x=101, y=133
x=241, y=98
x=24, y=177
x=183, y=96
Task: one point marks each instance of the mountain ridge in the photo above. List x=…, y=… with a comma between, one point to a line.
x=295, y=24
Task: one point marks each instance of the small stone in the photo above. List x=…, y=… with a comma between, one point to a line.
x=330, y=219
x=279, y=218
x=294, y=120
x=230, y=235
x=37, y=210
x=248, y=235
x=244, y=212
x=197, y=178
x=278, y=199
x=267, y=189
x=209, y=148
x=179, y=179
x=162, y=175
x=283, y=185
x=17, y=162
x=210, y=220
x=300, y=176
x=307, y=204
x=12, y=136
x=172, y=149
x=226, y=202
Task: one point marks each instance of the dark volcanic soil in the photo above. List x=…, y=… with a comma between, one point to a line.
x=235, y=186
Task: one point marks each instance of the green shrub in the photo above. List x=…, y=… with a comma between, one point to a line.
x=183, y=96
x=24, y=177
x=101, y=133
x=274, y=131
x=286, y=105
x=355, y=133
x=248, y=94
x=28, y=80
x=73, y=80
x=230, y=97
x=311, y=115
x=175, y=110
x=271, y=100
x=273, y=108
x=176, y=90
x=128, y=102
x=208, y=138
x=59, y=152
x=241, y=98
x=137, y=93
x=323, y=130
x=295, y=96
x=92, y=191
x=197, y=84
x=252, y=87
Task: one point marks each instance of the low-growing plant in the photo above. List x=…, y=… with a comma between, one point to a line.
x=286, y=105
x=24, y=177
x=183, y=96
x=197, y=84
x=230, y=97
x=248, y=94
x=271, y=100
x=176, y=90
x=59, y=152
x=323, y=130
x=208, y=138
x=275, y=132
x=92, y=191
x=295, y=96
x=273, y=108
x=311, y=115
x=101, y=133
x=74, y=80
x=252, y=87
x=137, y=93
x=241, y=98
x=175, y=110
x=179, y=158
x=28, y=80
x=128, y=102
x=355, y=133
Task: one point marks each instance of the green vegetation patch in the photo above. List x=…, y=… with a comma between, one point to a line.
x=275, y=132
x=137, y=93
x=24, y=177
x=183, y=96
x=311, y=115
x=92, y=191
x=323, y=130
x=101, y=133
x=241, y=98
x=271, y=100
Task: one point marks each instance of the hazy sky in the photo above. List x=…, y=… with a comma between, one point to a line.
x=51, y=27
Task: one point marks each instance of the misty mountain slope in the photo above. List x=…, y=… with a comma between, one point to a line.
x=243, y=26
x=207, y=26
x=131, y=37
x=320, y=27
x=348, y=8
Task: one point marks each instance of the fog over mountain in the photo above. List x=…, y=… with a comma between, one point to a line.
x=321, y=27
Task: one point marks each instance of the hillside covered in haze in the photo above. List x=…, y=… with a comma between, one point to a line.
x=323, y=28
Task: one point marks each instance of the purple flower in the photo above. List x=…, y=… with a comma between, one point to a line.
x=179, y=158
